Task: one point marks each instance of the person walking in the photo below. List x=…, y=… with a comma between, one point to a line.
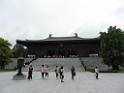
x=30, y=72
x=57, y=72
x=97, y=72
x=73, y=72
x=62, y=74
x=46, y=71
x=42, y=71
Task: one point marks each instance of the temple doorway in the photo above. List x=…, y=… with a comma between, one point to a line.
x=62, y=53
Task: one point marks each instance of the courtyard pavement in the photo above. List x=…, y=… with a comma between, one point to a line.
x=84, y=82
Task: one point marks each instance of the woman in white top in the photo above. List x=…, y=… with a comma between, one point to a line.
x=97, y=72
x=46, y=71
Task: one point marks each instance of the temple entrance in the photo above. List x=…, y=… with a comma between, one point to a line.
x=61, y=53
x=56, y=53
x=72, y=53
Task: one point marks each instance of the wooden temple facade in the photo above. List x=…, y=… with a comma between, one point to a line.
x=74, y=46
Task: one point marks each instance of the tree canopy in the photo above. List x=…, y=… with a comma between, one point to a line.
x=5, y=52
x=112, y=47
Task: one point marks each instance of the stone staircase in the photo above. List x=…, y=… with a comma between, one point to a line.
x=67, y=63
x=92, y=62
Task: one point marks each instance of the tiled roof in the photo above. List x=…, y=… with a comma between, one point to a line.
x=52, y=39
x=62, y=38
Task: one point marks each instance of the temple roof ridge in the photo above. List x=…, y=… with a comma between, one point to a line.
x=67, y=38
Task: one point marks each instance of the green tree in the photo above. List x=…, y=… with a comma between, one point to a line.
x=112, y=47
x=19, y=51
x=5, y=53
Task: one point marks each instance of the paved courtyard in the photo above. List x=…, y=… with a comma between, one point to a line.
x=84, y=82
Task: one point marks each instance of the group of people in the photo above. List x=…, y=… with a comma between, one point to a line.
x=59, y=72
x=44, y=71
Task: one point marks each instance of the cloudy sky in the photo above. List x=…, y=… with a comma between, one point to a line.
x=36, y=19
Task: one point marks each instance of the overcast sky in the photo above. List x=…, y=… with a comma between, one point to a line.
x=36, y=19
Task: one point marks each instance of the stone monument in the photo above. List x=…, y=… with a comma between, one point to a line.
x=19, y=75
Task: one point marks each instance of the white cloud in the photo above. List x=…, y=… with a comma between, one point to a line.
x=35, y=19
